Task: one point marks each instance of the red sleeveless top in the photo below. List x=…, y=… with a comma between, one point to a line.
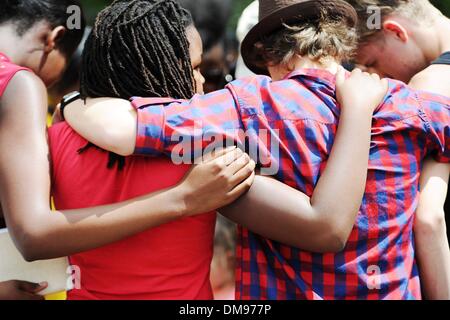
x=7, y=72
x=170, y=262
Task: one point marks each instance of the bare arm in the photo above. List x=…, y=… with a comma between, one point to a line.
x=25, y=187
x=430, y=227
x=324, y=222
x=106, y=122
x=21, y=290
x=326, y=215
x=431, y=233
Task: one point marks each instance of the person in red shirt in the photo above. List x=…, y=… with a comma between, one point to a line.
x=35, y=45
x=167, y=262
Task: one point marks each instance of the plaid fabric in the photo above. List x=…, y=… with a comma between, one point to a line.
x=379, y=259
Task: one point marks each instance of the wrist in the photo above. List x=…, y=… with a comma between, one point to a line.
x=359, y=115
x=362, y=108
x=178, y=199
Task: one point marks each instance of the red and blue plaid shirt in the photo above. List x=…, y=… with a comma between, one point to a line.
x=302, y=114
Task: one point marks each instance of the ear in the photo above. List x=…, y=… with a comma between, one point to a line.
x=53, y=38
x=396, y=29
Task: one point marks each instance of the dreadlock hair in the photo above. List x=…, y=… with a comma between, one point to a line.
x=138, y=48
x=26, y=13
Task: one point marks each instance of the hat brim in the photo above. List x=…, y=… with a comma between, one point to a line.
x=301, y=11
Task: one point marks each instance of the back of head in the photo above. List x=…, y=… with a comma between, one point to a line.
x=318, y=39
x=139, y=48
x=70, y=80
x=24, y=14
x=421, y=11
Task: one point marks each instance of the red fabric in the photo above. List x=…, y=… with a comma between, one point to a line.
x=7, y=72
x=292, y=123
x=169, y=262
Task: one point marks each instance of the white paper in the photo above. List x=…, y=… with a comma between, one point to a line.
x=13, y=267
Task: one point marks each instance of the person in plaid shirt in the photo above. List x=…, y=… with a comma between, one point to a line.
x=398, y=49
x=298, y=106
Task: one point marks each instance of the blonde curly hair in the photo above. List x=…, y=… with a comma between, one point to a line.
x=318, y=39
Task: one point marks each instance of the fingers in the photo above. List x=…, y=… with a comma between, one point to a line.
x=227, y=157
x=238, y=164
x=376, y=76
x=243, y=174
x=42, y=287
x=31, y=287
x=235, y=157
x=31, y=297
x=242, y=188
x=356, y=71
x=217, y=154
x=361, y=75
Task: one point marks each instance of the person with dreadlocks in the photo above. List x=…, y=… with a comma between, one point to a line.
x=152, y=48
x=301, y=43
x=35, y=45
x=171, y=261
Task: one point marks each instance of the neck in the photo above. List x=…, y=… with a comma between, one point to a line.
x=436, y=37
x=279, y=72
x=11, y=44
x=444, y=35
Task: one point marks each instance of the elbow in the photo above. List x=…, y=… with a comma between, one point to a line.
x=29, y=255
x=335, y=242
x=326, y=244
x=28, y=244
x=30, y=250
x=118, y=142
x=431, y=223
x=337, y=234
x=333, y=238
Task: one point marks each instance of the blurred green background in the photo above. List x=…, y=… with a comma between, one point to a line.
x=93, y=6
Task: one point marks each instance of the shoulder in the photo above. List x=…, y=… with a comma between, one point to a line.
x=27, y=79
x=8, y=71
x=266, y=86
x=435, y=78
x=250, y=84
x=283, y=99
x=25, y=98
x=25, y=83
x=404, y=101
x=251, y=91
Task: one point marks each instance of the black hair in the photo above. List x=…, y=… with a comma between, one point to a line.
x=26, y=13
x=139, y=48
x=70, y=80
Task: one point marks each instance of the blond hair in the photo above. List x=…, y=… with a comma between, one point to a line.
x=318, y=40
x=421, y=11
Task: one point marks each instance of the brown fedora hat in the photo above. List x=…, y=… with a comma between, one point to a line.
x=274, y=13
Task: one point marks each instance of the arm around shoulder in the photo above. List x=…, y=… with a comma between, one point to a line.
x=108, y=123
